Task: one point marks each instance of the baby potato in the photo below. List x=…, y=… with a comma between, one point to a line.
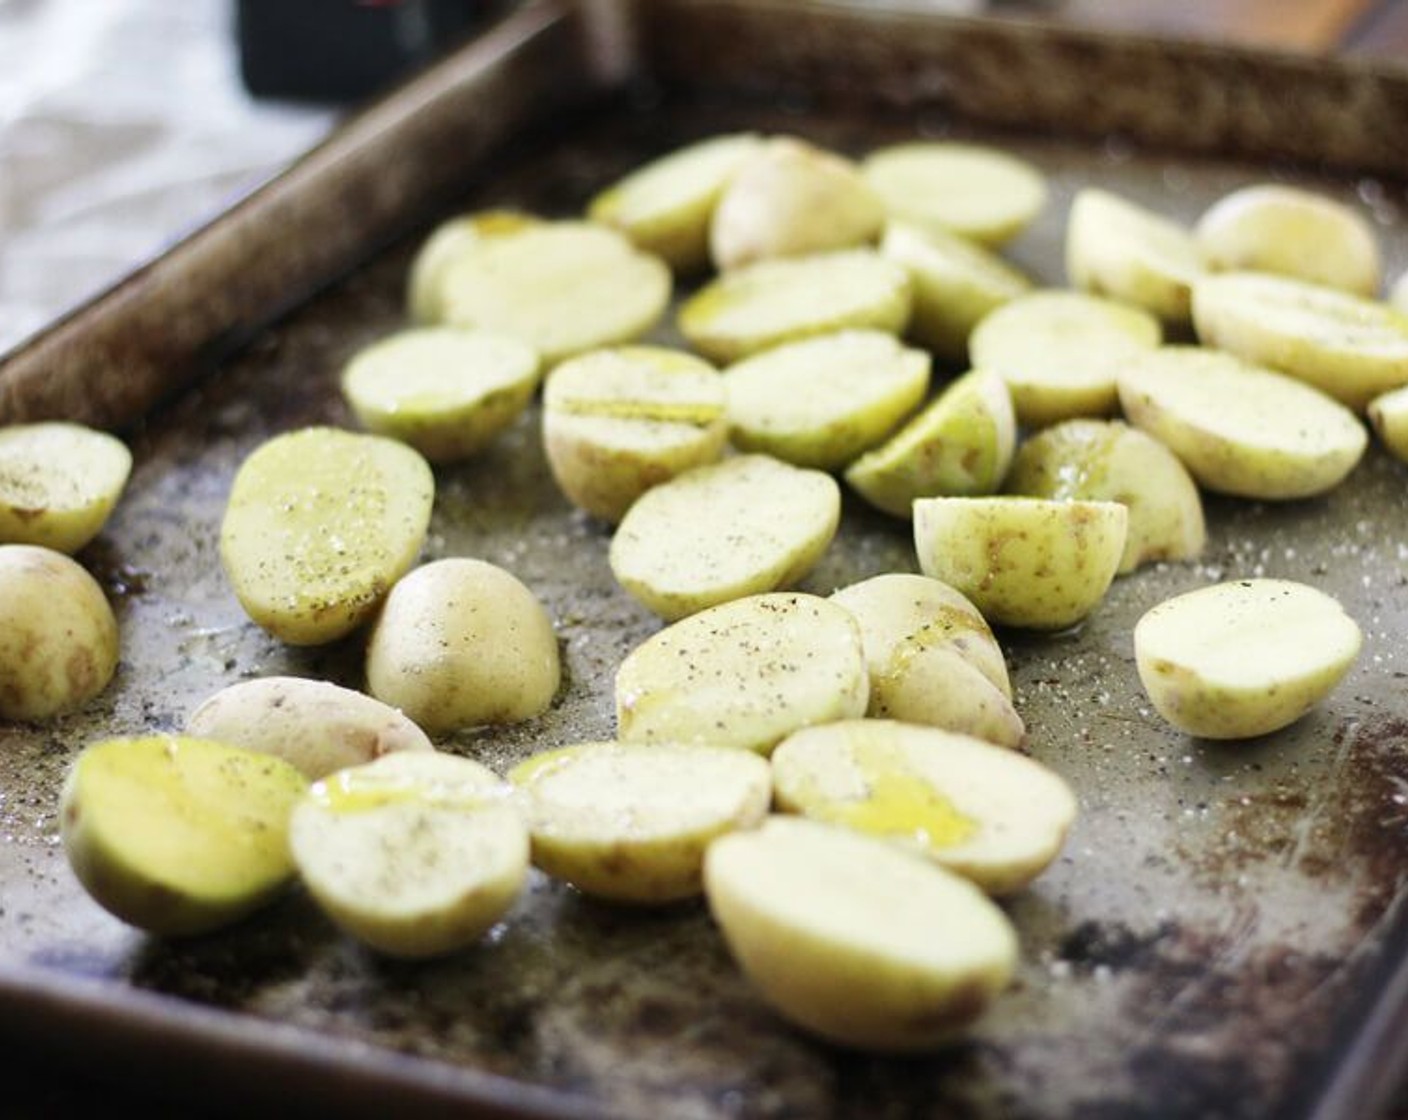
x=617, y=422
x=1240, y=429
x=58, y=634
x=59, y=483
x=462, y=643
x=854, y=939
x=994, y=816
x=743, y=526
x=1034, y=563
x=176, y=835
x=1243, y=658
x=960, y=444
x=425, y=288
x=629, y=822
x=822, y=401
x=1389, y=416
x=744, y=674
x=932, y=657
x=319, y=524
x=1107, y=460
x=415, y=855
x=317, y=726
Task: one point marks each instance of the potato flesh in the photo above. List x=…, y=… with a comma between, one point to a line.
x=425, y=287
x=59, y=482
x=1389, y=416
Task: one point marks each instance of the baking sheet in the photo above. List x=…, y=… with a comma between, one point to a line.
x=1207, y=945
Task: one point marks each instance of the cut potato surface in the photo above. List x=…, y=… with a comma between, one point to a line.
x=1034, y=563
x=446, y=392
x=630, y=822
x=1108, y=461
x=744, y=674
x=1241, y=429
x=1243, y=658
x=425, y=289
x=743, y=526
x=320, y=523
x=1351, y=348
x=776, y=301
x=993, y=816
x=176, y=835
x=59, y=483
x=562, y=287
x=855, y=940
x=974, y=191
x=416, y=855
x=1389, y=416
x=1059, y=352
x=960, y=444
x=822, y=401
x=617, y=422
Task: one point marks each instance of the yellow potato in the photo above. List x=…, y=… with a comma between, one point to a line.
x=449, y=240
x=59, y=483
x=320, y=523
x=1389, y=416
x=1243, y=658
x=630, y=822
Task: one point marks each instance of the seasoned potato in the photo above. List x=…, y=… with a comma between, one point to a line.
x=993, y=816
x=460, y=643
x=316, y=726
x=58, y=634
x=425, y=289
x=617, y=422
x=629, y=822
x=1389, y=416
x=414, y=854
x=744, y=674
x=854, y=939
x=177, y=835
x=1035, y=563
x=59, y=483
x=1243, y=658
x=319, y=524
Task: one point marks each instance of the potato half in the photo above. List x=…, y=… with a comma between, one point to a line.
x=1389, y=416
x=450, y=239
x=59, y=483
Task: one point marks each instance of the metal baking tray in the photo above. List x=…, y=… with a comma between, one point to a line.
x=1224, y=933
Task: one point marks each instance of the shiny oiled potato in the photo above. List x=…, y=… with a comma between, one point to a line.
x=317, y=726
x=58, y=634
x=450, y=239
x=1389, y=416
x=177, y=835
x=59, y=483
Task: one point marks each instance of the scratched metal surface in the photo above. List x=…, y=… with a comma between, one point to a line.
x=1191, y=954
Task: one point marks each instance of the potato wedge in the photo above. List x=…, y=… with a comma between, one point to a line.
x=744, y=674
x=450, y=239
x=1389, y=416
x=59, y=483
x=319, y=524
x=855, y=940
x=629, y=822
x=1243, y=658
x=743, y=526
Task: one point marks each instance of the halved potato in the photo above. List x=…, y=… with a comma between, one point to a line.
x=59, y=483
x=1389, y=416
x=425, y=288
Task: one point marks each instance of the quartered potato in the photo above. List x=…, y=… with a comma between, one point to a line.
x=1240, y=429
x=1389, y=416
x=59, y=483
x=1290, y=231
x=955, y=282
x=665, y=206
x=788, y=198
x=744, y=674
x=855, y=940
x=1108, y=461
x=320, y=523
x=617, y=422
x=932, y=657
x=461, y=643
x=977, y=192
x=1119, y=249
x=776, y=301
x=1035, y=563
x=177, y=835
x=1059, y=352
x=1354, y=349
x=1243, y=658
x=562, y=287
x=446, y=392
x=58, y=634
x=317, y=726
x=743, y=526
x=822, y=401
x=960, y=444
x=629, y=822
x=991, y=815
x=416, y=855
x=425, y=289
